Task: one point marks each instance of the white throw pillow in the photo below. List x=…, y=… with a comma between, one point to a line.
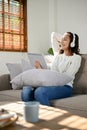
x=14, y=70
x=26, y=65
x=40, y=77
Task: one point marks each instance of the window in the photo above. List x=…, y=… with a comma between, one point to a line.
x=13, y=30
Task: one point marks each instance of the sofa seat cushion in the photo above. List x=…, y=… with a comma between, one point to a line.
x=75, y=103
x=10, y=95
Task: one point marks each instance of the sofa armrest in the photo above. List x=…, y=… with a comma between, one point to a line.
x=5, y=82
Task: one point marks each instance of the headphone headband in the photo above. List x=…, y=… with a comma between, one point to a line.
x=73, y=42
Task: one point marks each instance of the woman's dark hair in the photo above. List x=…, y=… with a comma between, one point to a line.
x=74, y=49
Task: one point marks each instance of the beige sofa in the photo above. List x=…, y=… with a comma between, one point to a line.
x=76, y=104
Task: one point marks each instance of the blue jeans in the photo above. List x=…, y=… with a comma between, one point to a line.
x=44, y=94
x=27, y=94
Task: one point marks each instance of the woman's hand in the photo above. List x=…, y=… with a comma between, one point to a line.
x=37, y=65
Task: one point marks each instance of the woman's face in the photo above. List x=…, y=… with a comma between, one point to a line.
x=65, y=41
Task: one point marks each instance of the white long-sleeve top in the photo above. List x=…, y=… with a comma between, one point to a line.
x=67, y=64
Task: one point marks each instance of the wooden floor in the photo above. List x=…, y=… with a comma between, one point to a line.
x=49, y=119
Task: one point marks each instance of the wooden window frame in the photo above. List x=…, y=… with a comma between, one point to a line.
x=12, y=45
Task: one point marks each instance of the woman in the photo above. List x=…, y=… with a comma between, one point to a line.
x=67, y=61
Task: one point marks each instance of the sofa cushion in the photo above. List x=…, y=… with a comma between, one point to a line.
x=5, y=82
x=78, y=102
x=10, y=95
x=80, y=82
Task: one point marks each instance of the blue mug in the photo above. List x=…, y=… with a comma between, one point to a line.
x=31, y=111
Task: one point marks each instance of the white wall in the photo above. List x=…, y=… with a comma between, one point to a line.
x=71, y=16
x=38, y=25
x=45, y=16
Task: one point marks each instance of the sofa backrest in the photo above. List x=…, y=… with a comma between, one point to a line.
x=80, y=82
x=5, y=82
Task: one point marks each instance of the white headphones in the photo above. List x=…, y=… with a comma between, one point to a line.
x=73, y=42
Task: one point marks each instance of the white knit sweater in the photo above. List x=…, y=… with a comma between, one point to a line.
x=67, y=64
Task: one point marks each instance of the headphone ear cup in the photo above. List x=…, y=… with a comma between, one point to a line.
x=72, y=44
